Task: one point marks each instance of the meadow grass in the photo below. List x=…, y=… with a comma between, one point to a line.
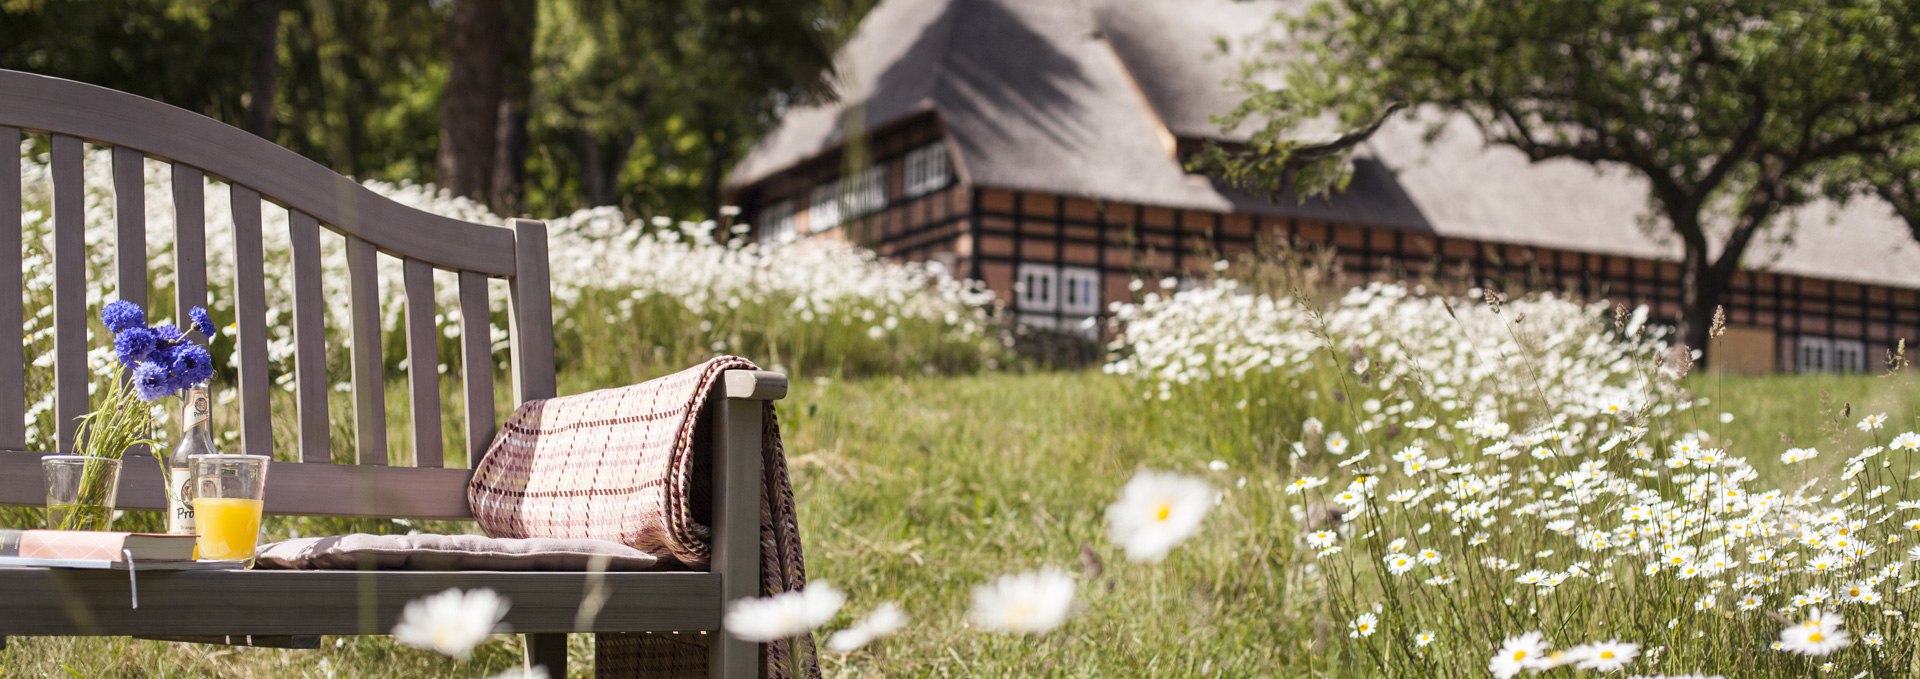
x=915, y=489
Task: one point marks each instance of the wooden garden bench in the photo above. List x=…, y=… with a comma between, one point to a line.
x=292, y=607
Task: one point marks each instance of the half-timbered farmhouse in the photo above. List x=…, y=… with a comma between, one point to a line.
x=1040, y=146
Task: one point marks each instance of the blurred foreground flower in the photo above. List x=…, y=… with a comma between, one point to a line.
x=522, y=673
x=1819, y=635
x=883, y=621
x=452, y=622
x=1527, y=651
x=1034, y=602
x=1156, y=511
x=783, y=615
x=1605, y=656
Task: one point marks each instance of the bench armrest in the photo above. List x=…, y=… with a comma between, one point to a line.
x=755, y=385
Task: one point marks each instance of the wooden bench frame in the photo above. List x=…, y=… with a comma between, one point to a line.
x=293, y=607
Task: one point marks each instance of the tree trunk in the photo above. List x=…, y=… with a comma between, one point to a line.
x=470, y=107
x=1702, y=287
x=510, y=137
x=266, y=69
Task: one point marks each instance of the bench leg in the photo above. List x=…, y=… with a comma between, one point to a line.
x=736, y=529
x=548, y=651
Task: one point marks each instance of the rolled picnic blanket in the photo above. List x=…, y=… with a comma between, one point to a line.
x=620, y=465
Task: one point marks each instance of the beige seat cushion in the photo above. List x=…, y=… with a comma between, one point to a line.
x=451, y=553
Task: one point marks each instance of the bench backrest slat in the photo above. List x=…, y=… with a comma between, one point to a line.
x=13, y=369
x=369, y=371
x=309, y=338
x=373, y=228
x=476, y=364
x=423, y=362
x=250, y=314
x=70, y=371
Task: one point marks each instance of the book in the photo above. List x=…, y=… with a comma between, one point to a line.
x=120, y=565
x=86, y=545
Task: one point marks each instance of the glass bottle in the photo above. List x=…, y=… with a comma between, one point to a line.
x=196, y=438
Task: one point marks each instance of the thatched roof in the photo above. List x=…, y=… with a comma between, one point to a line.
x=1087, y=97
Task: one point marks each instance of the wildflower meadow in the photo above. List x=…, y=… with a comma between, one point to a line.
x=1383, y=479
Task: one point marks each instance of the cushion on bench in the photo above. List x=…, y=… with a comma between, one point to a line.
x=423, y=552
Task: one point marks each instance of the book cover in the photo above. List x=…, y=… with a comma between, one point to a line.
x=94, y=545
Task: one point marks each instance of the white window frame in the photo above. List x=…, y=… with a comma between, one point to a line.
x=928, y=169
x=1036, y=287
x=1849, y=356
x=1812, y=354
x=865, y=192
x=823, y=207
x=776, y=221
x=1079, y=291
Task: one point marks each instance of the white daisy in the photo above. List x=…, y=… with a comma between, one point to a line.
x=783, y=615
x=1157, y=511
x=1034, y=602
x=452, y=622
x=1819, y=635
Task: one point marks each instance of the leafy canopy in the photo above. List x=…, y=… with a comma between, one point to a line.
x=1733, y=111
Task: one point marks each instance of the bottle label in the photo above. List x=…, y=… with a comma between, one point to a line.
x=180, y=501
x=198, y=410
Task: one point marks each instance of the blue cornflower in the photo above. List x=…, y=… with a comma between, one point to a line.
x=168, y=335
x=134, y=344
x=152, y=381
x=190, y=364
x=123, y=315
x=201, y=321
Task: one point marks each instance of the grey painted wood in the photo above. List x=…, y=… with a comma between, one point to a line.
x=369, y=372
x=130, y=220
x=736, y=525
x=189, y=240
x=548, y=651
x=301, y=641
x=264, y=602
x=41, y=103
x=531, y=313
x=250, y=312
x=476, y=363
x=758, y=385
x=423, y=363
x=309, y=338
x=70, y=373
x=130, y=236
x=292, y=488
x=13, y=392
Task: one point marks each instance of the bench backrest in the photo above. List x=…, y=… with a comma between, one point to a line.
x=198, y=148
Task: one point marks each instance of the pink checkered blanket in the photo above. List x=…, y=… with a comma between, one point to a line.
x=620, y=464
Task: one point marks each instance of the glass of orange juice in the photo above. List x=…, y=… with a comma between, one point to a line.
x=228, y=496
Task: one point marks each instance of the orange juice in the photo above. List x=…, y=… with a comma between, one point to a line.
x=228, y=526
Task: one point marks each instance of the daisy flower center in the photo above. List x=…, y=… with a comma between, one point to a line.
x=1165, y=510
x=1817, y=637
x=1519, y=655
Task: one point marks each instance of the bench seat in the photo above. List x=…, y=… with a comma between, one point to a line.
x=43, y=601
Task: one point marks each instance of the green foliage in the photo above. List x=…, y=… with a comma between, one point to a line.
x=1733, y=112
x=639, y=104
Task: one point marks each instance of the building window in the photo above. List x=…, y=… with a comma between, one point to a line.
x=927, y=169
x=1035, y=288
x=1814, y=354
x=1079, y=291
x=866, y=192
x=823, y=211
x=1849, y=356
x=776, y=222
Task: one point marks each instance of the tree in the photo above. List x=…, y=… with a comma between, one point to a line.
x=470, y=106
x=1733, y=111
x=645, y=103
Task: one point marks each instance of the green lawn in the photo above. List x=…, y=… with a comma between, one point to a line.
x=916, y=489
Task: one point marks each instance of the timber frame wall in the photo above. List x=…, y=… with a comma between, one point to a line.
x=986, y=233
